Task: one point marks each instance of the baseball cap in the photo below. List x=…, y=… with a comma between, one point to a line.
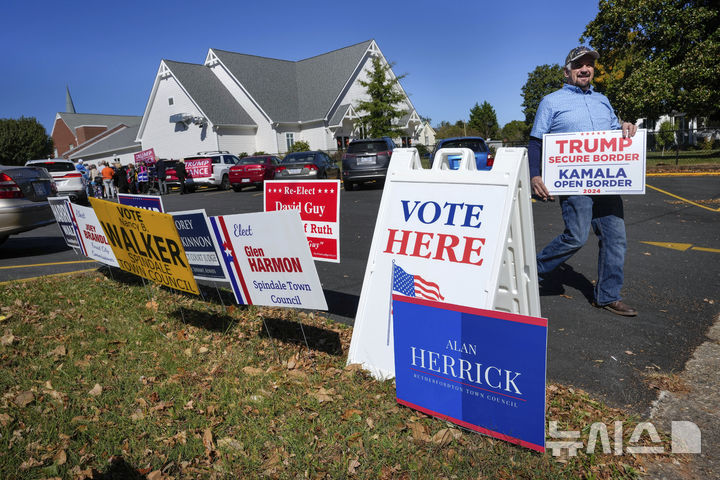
x=578, y=52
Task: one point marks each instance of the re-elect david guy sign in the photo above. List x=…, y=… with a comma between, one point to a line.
x=319, y=205
x=481, y=369
x=146, y=243
x=594, y=163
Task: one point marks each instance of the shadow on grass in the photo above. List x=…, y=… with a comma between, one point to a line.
x=118, y=469
x=287, y=331
x=202, y=319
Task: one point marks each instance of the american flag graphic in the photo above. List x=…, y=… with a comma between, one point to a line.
x=415, y=285
x=219, y=229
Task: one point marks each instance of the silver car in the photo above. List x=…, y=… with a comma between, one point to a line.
x=69, y=181
x=23, y=199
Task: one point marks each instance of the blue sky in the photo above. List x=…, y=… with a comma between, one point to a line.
x=454, y=53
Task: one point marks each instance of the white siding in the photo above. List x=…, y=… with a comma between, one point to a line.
x=169, y=139
x=237, y=140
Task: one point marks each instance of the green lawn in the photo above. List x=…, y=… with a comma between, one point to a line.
x=105, y=378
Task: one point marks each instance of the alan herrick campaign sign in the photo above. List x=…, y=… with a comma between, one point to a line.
x=594, y=163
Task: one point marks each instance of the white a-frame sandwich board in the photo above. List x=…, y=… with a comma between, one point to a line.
x=463, y=237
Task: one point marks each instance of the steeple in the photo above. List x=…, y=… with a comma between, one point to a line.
x=69, y=107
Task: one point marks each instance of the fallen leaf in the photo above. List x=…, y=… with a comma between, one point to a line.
x=445, y=436
x=353, y=464
x=30, y=463
x=23, y=399
x=629, y=352
x=5, y=419
x=419, y=432
x=230, y=444
x=96, y=390
x=203, y=350
x=7, y=339
x=155, y=475
x=252, y=371
x=350, y=413
x=207, y=440
x=152, y=305
x=60, y=458
x=59, y=351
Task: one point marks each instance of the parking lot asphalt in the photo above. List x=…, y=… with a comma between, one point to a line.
x=671, y=277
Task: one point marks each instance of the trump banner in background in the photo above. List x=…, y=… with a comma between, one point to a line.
x=60, y=207
x=268, y=260
x=92, y=237
x=148, y=202
x=594, y=163
x=319, y=205
x=146, y=156
x=480, y=369
x=199, y=167
x=199, y=244
x=146, y=243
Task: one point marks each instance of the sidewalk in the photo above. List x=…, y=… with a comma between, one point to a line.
x=701, y=405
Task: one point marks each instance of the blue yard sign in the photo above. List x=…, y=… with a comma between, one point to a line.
x=481, y=369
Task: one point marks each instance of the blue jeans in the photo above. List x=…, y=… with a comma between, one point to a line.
x=605, y=214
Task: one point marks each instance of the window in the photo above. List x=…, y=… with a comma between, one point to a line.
x=342, y=142
x=170, y=101
x=289, y=140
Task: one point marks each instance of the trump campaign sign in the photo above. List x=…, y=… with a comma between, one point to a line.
x=463, y=237
x=319, y=205
x=594, y=163
x=268, y=260
x=199, y=167
x=146, y=156
x=481, y=369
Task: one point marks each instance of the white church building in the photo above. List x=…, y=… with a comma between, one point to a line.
x=245, y=103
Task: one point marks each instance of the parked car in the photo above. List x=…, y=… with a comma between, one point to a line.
x=253, y=171
x=483, y=159
x=68, y=180
x=23, y=199
x=307, y=165
x=221, y=162
x=366, y=160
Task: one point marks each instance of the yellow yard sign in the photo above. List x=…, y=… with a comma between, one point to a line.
x=146, y=243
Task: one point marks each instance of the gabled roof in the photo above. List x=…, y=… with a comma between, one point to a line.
x=210, y=95
x=75, y=120
x=290, y=91
x=109, y=142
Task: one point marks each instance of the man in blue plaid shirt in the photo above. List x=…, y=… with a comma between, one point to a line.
x=577, y=107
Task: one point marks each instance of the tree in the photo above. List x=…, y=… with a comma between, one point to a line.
x=515, y=131
x=541, y=81
x=23, y=139
x=299, y=146
x=381, y=111
x=665, y=135
x=484, y=120
x=660, y=56
x=448, y=130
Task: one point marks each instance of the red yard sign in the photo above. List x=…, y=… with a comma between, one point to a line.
x=318, y=202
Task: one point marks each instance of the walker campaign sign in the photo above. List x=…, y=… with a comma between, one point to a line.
x=92, y=236
x=146, y=156
x=146, y=243
x=64, y=216
x=319, y=205
x=199, y=244
x=481, y=369
x=148, y=202
x=268, y=260
x=594, y=163
x=199, y=167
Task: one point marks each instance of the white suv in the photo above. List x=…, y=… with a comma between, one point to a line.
x=220, y=162
x=69, y=181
